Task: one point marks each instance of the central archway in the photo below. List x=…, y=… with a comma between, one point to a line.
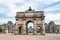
x=29, y=27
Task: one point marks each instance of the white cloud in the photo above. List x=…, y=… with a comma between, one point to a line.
x=50, y=1
x=5, y=20
x=25, y=4
x=3, y=10
x=53, y=17
x=57, y=7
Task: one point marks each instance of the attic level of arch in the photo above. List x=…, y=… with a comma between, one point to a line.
x=37, y=14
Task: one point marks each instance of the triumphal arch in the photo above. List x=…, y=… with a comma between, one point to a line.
x=30, y=16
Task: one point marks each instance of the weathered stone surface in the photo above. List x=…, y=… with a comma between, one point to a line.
x=36, y=17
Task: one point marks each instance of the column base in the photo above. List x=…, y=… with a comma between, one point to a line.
x=24, y=32
x=34, y=33
x=42, y=34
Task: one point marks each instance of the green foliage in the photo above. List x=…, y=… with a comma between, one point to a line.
x=0, y=29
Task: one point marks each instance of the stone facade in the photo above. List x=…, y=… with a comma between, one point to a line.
x=23, y=18
x=8, y=28
x=52, y=28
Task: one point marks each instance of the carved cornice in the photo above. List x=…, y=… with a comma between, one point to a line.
x=24, y=18
x=34, y=18
x=43, y=17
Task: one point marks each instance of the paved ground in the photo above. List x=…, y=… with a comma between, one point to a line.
x=30, y=37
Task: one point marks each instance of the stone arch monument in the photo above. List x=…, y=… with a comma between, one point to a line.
x=36, y=17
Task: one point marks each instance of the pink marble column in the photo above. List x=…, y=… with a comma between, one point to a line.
x=43, y=24
x=35, y=32
x=24, y=27
x=16, y=28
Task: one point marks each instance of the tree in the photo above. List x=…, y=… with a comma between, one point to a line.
x=0, y=29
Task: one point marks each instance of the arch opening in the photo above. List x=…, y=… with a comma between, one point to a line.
x=29, y=27
x=39, y=29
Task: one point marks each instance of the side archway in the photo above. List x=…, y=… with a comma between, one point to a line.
x=20, y=29
x=39, y=29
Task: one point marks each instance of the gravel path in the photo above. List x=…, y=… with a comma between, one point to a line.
x=30, y=37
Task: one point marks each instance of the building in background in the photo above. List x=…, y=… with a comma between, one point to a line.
x=8, y=28
x=52, y=27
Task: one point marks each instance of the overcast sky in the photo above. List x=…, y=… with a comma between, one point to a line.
x=8, y=9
